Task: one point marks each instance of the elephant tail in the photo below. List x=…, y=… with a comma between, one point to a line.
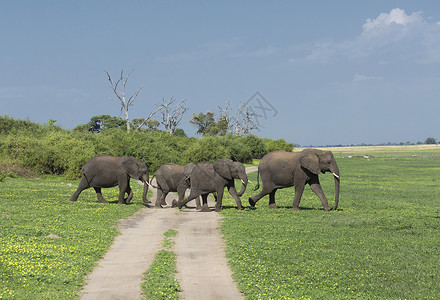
x=258, y=180
x=151, y=182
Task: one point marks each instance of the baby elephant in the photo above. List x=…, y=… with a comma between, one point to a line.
x=105, y=171
x=208, y=178
x=173, y=178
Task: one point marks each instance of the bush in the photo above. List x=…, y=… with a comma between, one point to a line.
x=205, y=149
x=237, y=149
x=273, y=145
x=256, y=144
x=53, y=150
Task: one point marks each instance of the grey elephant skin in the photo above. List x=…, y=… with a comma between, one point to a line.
x=105, y=171
x=281, y=169
x=171, y=177
x=208, y=178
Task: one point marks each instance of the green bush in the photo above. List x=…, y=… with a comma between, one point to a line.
x=256, y=144
x=236, y=147
x=205, y=149
x=52, y=150
x=273, y=145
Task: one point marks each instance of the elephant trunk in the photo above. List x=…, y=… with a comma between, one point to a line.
x=146, y=184
x=244, y=182
x=337, y=184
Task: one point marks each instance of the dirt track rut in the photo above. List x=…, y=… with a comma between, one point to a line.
x=203, y=272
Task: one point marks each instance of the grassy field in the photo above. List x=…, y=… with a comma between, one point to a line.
x=383, y=243
x=47, y=243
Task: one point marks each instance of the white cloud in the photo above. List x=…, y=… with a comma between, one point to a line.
x=397, y=16
x=393, y=35
x=360, y=78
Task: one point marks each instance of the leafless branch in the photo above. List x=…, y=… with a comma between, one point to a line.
x=172, y=115
x=120, y=93
x=148, y=118
x=243, y=122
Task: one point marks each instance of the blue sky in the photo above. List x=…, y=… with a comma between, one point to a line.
x=329, y=72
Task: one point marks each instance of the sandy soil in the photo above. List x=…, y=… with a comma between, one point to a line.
x=203, y=272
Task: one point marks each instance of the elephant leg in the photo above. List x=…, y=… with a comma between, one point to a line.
x=83, y=184
x=272, y=200
x=299, y=189
x=316, y=188
x=234, y=195
x=129, y=191
x=99, y=195
x=159, y=196
x=254, y=199
x=164, y=202
x=194, y=194
x=123, y=186
x=218, y=205
x=198, y=206
x=181, y=189
x=205, y=207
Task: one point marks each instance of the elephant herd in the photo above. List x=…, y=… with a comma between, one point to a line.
x=278, y=169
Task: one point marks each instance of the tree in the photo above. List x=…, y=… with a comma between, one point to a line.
x=146, y=122
x=180, y=132
x=150, y=124
x=203, y=122
x=430, y=141
x=119, y=90
x=98, y=123
x=244, y=121
x=172, y=114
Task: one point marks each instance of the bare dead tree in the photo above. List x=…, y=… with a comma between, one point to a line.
x=225, y=115
x=148, y=118
x=172, y=114
x=249, y=120
x=243, y=122
x=119, y=89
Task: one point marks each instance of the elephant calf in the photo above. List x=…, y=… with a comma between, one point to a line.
x=209, y=178
x=281, y=169
x=173, y=178
x=105, y=171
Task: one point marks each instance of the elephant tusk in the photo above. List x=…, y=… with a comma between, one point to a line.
x=336, y=175
x=250, y=182
x=149, y=184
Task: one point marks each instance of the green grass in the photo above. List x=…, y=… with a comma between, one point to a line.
x=35, y=266
x=383, y=243
x=159, y=280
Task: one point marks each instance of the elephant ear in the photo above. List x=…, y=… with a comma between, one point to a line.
x=187, y=169
x=310, y=161
x=223, y=168
x=131, y=167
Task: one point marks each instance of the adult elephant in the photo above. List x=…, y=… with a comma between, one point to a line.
x=171, y=177
x=281, y=169
x=104, y=171
x=214, y=177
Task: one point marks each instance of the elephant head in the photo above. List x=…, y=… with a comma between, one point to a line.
x=318, y=161
x=138, y=170
x=231, y=170
x=187, y=169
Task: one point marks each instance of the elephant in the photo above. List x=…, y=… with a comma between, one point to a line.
x=281, y=169
x=208, y=178
x=104, y=171
x=171, y=177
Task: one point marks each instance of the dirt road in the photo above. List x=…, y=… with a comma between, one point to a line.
x=203, y=272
